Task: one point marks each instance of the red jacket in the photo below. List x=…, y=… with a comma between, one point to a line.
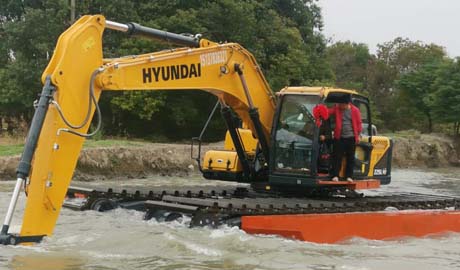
x=319, y=111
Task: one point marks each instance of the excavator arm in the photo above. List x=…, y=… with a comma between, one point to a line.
x=74, y=80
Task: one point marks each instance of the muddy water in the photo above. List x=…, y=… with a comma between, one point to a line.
x=122, y=240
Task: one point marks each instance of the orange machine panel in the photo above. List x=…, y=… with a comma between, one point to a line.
x=355, y=185
x=331, y=228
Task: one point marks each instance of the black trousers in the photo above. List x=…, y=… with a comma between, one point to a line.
x=343, y=147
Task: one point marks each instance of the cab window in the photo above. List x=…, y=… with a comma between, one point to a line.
x=363, y=108
x=295, y=132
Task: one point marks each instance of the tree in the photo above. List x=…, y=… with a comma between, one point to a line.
x=393, y=60
x=445, y=99
x=28, y=33
x=415, y=89
x=349, y=62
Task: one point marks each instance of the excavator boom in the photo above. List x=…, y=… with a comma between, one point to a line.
x=74, y=80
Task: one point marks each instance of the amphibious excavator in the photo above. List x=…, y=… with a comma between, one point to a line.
x=272, y=146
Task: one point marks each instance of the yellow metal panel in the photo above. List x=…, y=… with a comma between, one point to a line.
x=249, y=142
x=380, y=145
x=314, y=90
x=77, y=55
x=221, y=161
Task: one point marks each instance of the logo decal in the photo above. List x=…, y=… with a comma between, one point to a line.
x=380, y=171
x=174, y=72
x=213, y=58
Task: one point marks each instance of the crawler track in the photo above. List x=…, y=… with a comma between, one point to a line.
x=214, y=206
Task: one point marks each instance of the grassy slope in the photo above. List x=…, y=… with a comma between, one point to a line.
x=10, y=148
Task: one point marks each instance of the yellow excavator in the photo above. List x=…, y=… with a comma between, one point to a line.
x=272, y=140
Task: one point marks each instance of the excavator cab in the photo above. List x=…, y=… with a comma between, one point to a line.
x=300, y=151
x=300, y=158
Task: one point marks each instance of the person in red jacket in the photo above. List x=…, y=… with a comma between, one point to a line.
x=348, y=127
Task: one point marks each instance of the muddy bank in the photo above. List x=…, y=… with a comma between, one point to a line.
x=135, y=162
x=425, y=150
x=122, y=162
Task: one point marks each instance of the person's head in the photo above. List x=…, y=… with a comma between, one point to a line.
x=344, y=103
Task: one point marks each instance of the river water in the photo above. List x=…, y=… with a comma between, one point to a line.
x=120, y=239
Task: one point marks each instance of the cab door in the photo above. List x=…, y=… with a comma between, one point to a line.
x=373, y=153
x=364, y=148
x=294, y=136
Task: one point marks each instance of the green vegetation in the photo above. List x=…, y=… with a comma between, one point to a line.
x=10, y=149
x=412, y=85
x=112, y=142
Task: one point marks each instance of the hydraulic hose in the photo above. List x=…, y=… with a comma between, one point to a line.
x=92, y=99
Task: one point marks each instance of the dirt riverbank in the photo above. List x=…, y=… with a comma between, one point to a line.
x=100, y=163
x=425, y=151
x=123, y=162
